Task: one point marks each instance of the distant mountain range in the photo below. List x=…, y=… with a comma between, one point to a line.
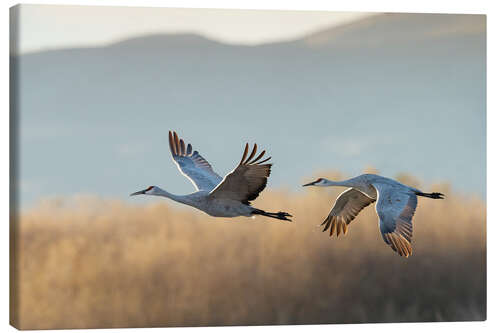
x=400, y=92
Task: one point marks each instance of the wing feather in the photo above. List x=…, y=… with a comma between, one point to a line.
x=192, y=164
x=258, y=157
x=395, y=208
x=267, y=159
x=247, y=180
x=245, y=152
x=252, y=154
x=346, y=208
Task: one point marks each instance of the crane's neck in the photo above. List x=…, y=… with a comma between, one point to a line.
x=356, y=183
x=162, y=193
x=346, y=183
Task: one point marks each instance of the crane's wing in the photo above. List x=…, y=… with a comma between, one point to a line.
x=247, y=180
x=395, y=209
x=192, y=164
x=346, y=208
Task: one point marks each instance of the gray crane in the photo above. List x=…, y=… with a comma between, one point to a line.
x=221, y=197
x=396, y=204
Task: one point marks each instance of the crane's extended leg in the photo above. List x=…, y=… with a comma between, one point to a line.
x=433, y=195
x=279, y=215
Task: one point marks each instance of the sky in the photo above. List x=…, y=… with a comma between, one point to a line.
x=51, y=27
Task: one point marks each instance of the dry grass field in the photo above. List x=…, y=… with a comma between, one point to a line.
x=89, y=263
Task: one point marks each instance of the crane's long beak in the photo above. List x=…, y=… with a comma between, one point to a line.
x=309, y=184
x=138, y=192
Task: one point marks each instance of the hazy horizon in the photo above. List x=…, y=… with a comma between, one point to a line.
x=49, y=27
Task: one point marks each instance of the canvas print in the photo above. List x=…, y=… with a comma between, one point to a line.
x=209, y=167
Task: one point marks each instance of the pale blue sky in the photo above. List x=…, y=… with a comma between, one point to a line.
x=387, y=91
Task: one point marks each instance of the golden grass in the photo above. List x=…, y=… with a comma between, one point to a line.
x=91, y=263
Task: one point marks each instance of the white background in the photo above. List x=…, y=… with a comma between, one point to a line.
x=437, y=6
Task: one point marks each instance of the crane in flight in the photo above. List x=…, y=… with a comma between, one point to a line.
x=396, y=204
x=221, y=197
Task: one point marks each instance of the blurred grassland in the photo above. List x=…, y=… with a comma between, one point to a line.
x=90, y=263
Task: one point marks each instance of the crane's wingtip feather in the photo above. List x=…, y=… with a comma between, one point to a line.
x=252, y=154
x=171, y=143
x=183, y=147
x=257, y=158
x=245, y=152
x=265, y=160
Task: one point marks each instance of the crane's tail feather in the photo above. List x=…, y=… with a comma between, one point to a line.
x=279, y=215
x=433, y=195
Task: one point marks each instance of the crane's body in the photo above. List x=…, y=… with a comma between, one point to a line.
x=204, y=202
x=220, y=197
x=366, y=184
x=395, y=206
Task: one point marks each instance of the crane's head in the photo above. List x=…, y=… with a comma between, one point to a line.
x=317, y=182
x=151, y=190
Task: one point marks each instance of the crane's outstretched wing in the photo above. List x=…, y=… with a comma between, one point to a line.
x=247, y=180
x=346, y=208
x=192, y=164
x=395, y=209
